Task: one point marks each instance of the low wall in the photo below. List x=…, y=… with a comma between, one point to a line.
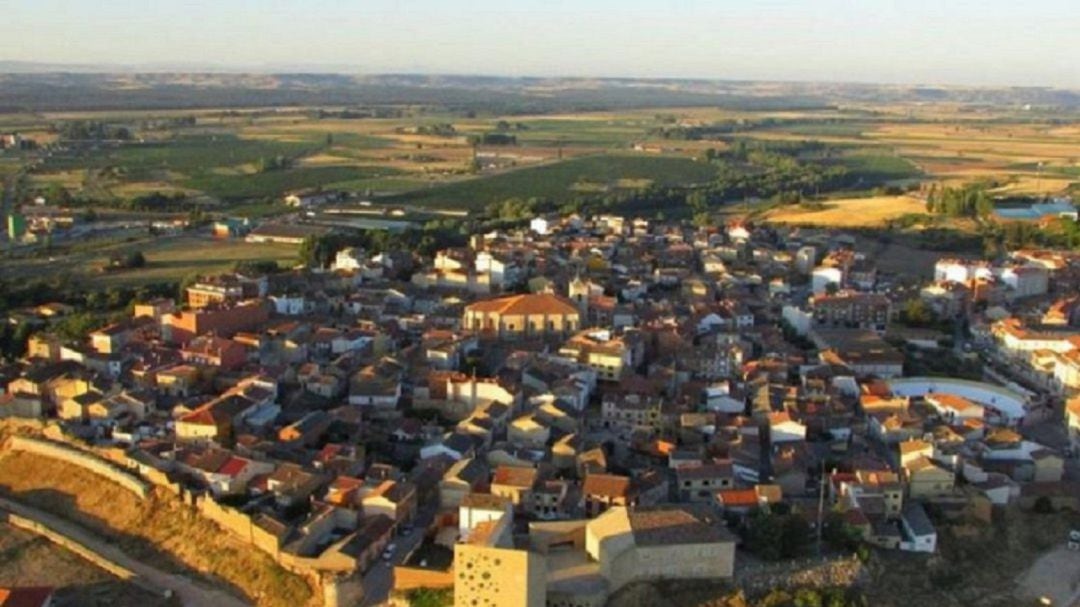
x=82, y=459
x=411, y=578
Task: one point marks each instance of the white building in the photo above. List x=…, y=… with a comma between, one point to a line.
x=541, y=225
x=350, y=258
x=919, y=532
x=1026, y=281
x=288, y=305
x=823, y=276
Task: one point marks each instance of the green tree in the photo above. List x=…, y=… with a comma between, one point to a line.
x=765, y=535
x=795, y=536
x=807, y=597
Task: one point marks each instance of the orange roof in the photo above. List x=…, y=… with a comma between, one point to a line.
x=514, y=476
x=1073, y=406
x=526, y=304
x=951, y=401
x=611, y=485
x=780, y=417
x=913, y=444
x=738, y=497
x=204, y=415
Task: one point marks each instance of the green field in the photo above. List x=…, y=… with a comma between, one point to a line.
x=273, y=183
x=168, y=259
x=822, y=129
x=600, y=133
x=557, y=181
x=186, y=155
x=173, y=259
x=875, y=168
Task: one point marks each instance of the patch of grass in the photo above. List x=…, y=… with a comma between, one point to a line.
x=556, y=181
x=429, y=597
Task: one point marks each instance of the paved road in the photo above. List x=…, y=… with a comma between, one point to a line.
x=379, y=579
x=189, y=591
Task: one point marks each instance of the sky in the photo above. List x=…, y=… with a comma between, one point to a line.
x=964, y=42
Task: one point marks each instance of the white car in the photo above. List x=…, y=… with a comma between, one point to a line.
x=389, y=552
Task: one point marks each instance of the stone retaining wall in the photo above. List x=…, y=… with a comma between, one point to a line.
x=813, y=573
x=82, y=459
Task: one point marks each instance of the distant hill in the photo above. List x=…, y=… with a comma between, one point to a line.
x=39, y=87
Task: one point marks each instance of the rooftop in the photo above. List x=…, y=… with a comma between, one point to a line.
x=673, y=525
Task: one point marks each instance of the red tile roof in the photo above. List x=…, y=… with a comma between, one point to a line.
x=27, y=596
x=233, y=466
x=536, y=303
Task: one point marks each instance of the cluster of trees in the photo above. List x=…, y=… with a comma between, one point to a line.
x=717, y=130
x=274, y=163
x=776, y=534
x=1060, y=233
x=128, y=261
x=786, y=171
x=13, y=339
x=915, y=313
x=503, y=125
x=167, y=124
x=160, y=202
x=442, y=129
x=97, y=307
x=519, y=209
x=497, y=139
x=319, y=251
x=359, y=113
x=93, y=130
x=700, y=132
x=971, y=200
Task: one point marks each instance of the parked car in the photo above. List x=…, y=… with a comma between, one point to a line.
x=389, y=552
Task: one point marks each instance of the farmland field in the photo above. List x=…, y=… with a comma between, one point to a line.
x=168, y=259
x=563, y=180
x=173, y=259
x=849, y=212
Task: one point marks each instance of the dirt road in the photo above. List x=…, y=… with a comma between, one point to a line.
x=116, y=561
x=1055, y=575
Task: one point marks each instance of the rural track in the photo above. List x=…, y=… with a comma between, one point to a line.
x=105, y=554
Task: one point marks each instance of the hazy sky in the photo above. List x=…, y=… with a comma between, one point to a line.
x=1021, y=42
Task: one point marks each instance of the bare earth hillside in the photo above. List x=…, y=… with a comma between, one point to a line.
x=159, y=530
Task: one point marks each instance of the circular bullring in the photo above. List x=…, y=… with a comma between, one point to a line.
x=1008, y=403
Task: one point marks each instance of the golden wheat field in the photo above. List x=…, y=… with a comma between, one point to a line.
x=850, y=212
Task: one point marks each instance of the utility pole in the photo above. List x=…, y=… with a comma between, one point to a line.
x=820, y=507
